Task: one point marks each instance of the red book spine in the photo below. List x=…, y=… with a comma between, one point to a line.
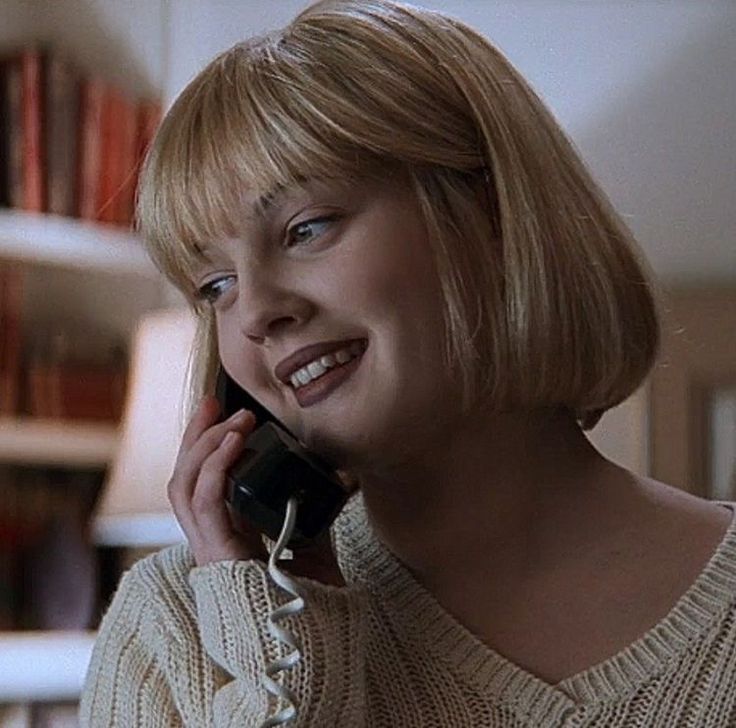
x=3, y=335
x=90, y=147
x=149, y=117
x=11, y=307
x=33, y=156
x=111, y=161
x=4, y=135
x=127, y=141
x=14, y=124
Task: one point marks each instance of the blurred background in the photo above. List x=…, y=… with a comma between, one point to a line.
x=93, y=343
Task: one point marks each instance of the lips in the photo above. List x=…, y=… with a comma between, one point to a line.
x=318, y=389
x=300, y=358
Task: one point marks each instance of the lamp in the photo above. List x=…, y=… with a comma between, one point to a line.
x=134, y=510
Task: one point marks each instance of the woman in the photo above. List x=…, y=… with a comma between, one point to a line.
x=378, y=176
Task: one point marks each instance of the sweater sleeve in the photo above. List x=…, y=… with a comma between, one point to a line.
x=125, y=683
x=234, y=600
x=186, y=646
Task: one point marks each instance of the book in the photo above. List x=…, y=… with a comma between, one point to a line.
x=4, y=137
x=14, y=130
x=11, y=310
x=61, y=102
x=92, y=94
x=26, y=189
x=111, y=164
x=69, y=144
x=76, y=391
x=10, y=550
x=34, y=192
x=127, y=140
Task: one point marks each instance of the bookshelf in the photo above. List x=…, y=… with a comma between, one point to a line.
x=72, y=260
x=89, y=278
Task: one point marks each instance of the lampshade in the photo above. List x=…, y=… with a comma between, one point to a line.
x=134, y=509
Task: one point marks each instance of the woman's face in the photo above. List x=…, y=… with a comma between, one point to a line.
x=336, y=263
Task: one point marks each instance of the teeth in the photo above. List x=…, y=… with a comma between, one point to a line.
x=318, y=367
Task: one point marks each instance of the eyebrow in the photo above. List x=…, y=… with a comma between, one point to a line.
x=267, y=202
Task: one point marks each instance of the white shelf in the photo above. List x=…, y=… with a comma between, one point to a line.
x=43, y=666
x=41, y=238
x=33, y=441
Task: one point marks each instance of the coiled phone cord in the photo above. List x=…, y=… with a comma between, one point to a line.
x=295, y=606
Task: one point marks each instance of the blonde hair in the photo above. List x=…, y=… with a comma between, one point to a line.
x=547, y=298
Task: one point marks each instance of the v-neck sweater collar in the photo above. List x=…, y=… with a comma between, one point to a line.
x=695, y=614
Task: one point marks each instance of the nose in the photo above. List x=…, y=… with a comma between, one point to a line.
x=267, y=308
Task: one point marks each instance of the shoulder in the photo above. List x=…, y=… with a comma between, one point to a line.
x=674, y=531
x=152, y=612
x=148, y=660
x=673, y=541
x=153, y=591
x=706, y=521
x=163, y=571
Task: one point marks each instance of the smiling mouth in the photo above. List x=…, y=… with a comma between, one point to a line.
x=318, y=368
x=318, y=389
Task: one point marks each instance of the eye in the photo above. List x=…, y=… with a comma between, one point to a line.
x=294, y=236
x=213, y=290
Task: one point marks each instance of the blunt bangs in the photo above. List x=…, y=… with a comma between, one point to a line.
x=246, y=124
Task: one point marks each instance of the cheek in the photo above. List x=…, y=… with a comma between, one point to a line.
x=239, y=360
x=385, y=276
x=226, y=344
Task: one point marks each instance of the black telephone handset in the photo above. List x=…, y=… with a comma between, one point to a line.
x=273, y=468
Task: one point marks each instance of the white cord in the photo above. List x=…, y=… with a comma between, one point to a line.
x=295, y=606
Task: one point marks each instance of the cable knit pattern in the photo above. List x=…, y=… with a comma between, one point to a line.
x=187, y=646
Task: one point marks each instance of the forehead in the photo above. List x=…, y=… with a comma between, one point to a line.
x=260, y=207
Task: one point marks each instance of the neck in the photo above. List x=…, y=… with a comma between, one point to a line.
x=493, y=497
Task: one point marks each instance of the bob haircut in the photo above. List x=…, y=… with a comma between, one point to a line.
x=547, y=299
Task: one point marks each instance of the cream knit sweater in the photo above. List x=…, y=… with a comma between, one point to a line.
x=187, y=646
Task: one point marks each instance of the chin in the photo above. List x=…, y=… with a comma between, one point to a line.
x=343, y=448
x=337, y=452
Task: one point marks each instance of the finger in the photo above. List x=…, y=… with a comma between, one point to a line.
x=210, y=486
x=190, y=459
x=208, y=505
x=189, y=462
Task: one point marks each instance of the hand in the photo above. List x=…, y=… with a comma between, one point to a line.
x=197, y=494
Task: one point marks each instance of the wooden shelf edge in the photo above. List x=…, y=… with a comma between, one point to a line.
x=27, y=440
x=44, y=238
x=44, y=665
